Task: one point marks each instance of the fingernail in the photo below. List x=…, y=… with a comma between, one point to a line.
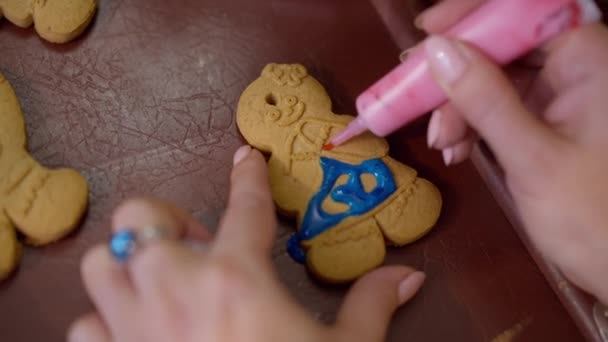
x=403, y=55
x=76, y=334
x=446, y=58
x=462, y=151
x=410, y=285
x=241, y=153
x=448, y=156
x=196, y=245
x=433, y=131
x=419, y=22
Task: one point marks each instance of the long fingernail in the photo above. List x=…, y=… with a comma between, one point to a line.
x=446, y=58
x=433, y=131
x=240, y=154
x=448, y=156
x=409, y=286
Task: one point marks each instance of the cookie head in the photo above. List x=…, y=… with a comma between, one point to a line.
x=281, y=97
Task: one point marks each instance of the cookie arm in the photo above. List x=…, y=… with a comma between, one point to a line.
x=18, y=12
x=364, y=147
x=289, y=194
x=12, y=126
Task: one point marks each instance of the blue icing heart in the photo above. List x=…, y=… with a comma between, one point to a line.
x=352, y=194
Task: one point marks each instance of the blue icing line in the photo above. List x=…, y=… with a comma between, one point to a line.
x=294, y=249
x=352, y=194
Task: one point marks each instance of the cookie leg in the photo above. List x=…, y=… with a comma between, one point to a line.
x=47, y=204
x=60, y=21
x=10, y=249
x=346, y=253
x=411, y=214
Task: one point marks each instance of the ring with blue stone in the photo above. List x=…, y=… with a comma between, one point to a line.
x=125, y=242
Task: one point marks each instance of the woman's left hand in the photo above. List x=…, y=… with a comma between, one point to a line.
x=228, y=290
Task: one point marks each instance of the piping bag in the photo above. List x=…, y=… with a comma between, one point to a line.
x=503, y=30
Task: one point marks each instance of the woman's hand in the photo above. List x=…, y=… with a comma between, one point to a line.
x=555, y=159
x=227, y=290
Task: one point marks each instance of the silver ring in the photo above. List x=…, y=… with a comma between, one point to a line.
x=125, y=242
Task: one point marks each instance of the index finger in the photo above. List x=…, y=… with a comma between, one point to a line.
x=249, y=224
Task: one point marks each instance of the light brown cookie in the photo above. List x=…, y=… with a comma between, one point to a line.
x=10, y=249
x=44, y=205
x=349, y=202
x=57, y=21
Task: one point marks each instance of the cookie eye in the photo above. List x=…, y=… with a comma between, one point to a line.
x=291, y=100
x=271, y=99
x=273, y=114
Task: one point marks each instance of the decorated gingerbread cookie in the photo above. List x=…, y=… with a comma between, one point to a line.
x=44, y=205
x=57, y=21
x=349, y=202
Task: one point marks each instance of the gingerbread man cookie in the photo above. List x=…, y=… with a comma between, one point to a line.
x=349, y=202
x=44, y=205
x=57, y=21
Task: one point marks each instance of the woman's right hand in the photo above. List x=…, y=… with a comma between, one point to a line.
x=556, y=162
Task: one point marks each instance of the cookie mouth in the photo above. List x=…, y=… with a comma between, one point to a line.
x=292, y=114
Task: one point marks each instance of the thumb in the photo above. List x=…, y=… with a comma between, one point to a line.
x=370, y=304
x=490, y=104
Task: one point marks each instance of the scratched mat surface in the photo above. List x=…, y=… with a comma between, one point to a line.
x=143, y=104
